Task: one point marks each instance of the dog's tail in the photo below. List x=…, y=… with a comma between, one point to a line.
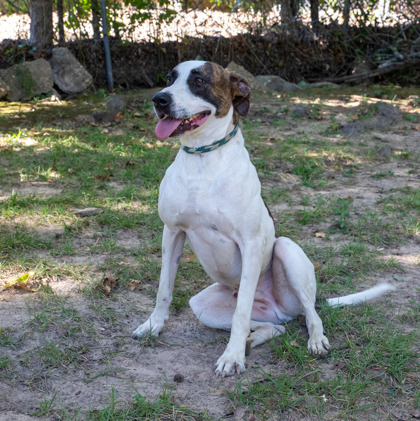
x=360, y=297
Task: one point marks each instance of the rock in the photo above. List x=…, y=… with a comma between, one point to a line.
x=302, y=110
x=276, y=83
x=69, y=75
x=389, y=112
x=255, y=86
x=117, y=103
x=88, y=212
x=385, y=151
x=351, y=129
x=104, y=116
x=28, y=79
x=323, y=85
x=4, y=89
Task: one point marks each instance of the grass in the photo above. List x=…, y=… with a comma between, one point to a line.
x=162, y=408
x=72, y=332
x=371, y=355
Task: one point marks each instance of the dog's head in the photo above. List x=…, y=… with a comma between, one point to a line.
x=196, y=93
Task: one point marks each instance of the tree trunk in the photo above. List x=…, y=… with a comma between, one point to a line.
x=289, y=9
x=315, y=12
x=346, y=15
x=41, y=30
x=286, y=13
x=60, y=13
x=96, y=20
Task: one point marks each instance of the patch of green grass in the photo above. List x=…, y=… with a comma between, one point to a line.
x=161, y=408
x=21, y=238
x=310, y=170
x=5, y=362
x=340, y=268
x=46, y=406
x=375, y=229
x=291, y=346
x=368, y=346
x=54, y=356
x=180, y=298
x=11, y=339
x=321, y=208
x=383, y=174
x=107, y=313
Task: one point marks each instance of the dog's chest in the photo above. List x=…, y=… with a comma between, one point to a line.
x=198, y=197
x=192, y=206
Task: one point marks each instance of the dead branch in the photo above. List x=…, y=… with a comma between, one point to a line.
x=377, y=72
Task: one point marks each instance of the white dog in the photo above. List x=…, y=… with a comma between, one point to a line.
x=211, y=197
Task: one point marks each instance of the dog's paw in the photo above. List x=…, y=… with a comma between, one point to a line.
x=318, y=344
x=229, y=364
x=147, y=328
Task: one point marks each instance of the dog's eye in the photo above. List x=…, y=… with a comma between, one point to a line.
x=199, y=80
x=168, y=79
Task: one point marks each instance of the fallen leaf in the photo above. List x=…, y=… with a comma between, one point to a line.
x=319, y=234
x=108, y=284
x=22, y=282
x=133, y=284
x=119, y=117
x=294, y=343
x=103, y=177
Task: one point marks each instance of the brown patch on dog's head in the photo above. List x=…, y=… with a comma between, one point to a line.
x=221, y=88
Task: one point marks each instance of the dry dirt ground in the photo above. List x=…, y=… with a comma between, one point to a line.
x=70, y=342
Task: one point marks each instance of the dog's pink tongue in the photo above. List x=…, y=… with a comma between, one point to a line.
x=166, y=127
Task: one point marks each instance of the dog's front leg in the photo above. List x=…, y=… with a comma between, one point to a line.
x=172, y=244
x=233, y=359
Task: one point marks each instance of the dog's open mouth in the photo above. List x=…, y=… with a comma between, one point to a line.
x=174, y=127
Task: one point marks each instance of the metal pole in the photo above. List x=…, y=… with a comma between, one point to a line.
x=108, y=64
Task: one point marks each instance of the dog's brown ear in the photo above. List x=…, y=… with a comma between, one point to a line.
x=241, y=92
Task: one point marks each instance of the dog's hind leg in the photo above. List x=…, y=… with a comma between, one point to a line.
x=295, y=290
x=215, y=306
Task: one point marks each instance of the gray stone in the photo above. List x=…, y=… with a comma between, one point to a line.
x=255, y=86
x=104, y=116
x=117, y=103
x=385, y=151
x=389, y=112
x=351, y=129
x=4, y=89
x=276, y=83
x=302, y=110
x=28, y=79
x=69, y=75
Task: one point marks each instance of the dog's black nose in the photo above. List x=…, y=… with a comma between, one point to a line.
x=162, y=100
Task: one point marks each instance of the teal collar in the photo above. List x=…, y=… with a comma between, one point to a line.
x=212, y=146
